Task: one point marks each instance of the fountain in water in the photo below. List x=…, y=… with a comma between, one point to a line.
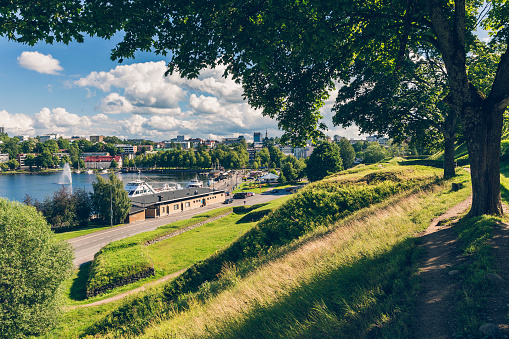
x=66, y=177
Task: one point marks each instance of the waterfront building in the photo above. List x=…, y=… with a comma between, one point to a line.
x=22, y=157
x=102, y=162
x=84, y=155
x=171, y=202
x=4, y=157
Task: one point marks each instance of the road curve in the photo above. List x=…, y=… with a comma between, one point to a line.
x=86, y=246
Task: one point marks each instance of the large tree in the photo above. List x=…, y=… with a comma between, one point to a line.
x=33, y=265
x=289, y=55
x=110, y=200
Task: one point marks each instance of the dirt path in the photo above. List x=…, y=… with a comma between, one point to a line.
x=434, y=316
x=136, y=290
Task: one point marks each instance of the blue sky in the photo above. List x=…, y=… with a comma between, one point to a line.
x=76, y=89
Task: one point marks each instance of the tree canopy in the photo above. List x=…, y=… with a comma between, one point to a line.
x=290, y=55
x=325, y=160
x=109, y=196
x=33, y=265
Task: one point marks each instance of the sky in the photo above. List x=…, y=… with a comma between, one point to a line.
x=76, y=90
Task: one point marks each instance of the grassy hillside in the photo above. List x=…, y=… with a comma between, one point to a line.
x=337, y=258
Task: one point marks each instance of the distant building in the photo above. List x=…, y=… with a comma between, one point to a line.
x=303, y=152
x=22, y=157
x=231, y=141
x=136, y=141
x=210, y=143
x=75, y=138
x=2, y=129
x=102, y=162
x=84, y=155
x=196, y=141
x=376, y=138
x=286, y=150
x=252, y=153
x=257, y=136
x=4, y=157
x=354, y=141
x=22, y=137
x=44, y=138
x=96, y=138
x=128, y=149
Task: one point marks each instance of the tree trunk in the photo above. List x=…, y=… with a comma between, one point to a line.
x=484, y=131
x=449, y=165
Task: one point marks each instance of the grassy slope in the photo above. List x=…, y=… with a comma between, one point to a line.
x=353, y=279
x=351, y=176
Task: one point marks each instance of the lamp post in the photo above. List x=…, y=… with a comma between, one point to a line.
x=111, y=207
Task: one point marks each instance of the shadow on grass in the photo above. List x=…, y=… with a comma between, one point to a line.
x=246, y=209
x=254, y=216
x=79, y=285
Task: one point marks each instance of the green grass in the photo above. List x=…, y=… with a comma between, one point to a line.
x=350, y=275
x=117, y=264
x=321, y=209
x=83, y=231
x=251, y=186
x=127, y=257
x=354, y=279
x=460, y=151
x=474, y=234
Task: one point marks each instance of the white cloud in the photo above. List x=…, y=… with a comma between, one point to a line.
x=16, y=124
x=39, y=62
x=59, y=120
x=163, y=107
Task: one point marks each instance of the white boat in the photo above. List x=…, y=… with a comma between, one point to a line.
x=195, y=183
x=90, y=171
x=140, y=187
x=104, y=171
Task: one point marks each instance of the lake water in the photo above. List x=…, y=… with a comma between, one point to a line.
x=38, y=186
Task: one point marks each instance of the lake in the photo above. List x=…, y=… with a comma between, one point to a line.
x=38, y=186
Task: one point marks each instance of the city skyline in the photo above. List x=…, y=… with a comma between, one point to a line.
x=76, y=89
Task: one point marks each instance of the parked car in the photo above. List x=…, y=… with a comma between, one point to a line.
x=289, y=189
x=275, y=191
x=228, y=201
x=241, y=195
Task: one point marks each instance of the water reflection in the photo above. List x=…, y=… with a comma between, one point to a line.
x=38, y=186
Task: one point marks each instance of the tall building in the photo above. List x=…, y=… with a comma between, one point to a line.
x=2, y=130
x=257, y=137
x=96, y=138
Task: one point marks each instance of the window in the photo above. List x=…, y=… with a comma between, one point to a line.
x=188, y=204
x=176, y=206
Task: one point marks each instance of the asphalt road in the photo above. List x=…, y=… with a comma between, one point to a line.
x=86, y=246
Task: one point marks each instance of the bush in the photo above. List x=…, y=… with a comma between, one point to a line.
x=33, y=265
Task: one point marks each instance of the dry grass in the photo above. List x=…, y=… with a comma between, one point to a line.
x=266, y=293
